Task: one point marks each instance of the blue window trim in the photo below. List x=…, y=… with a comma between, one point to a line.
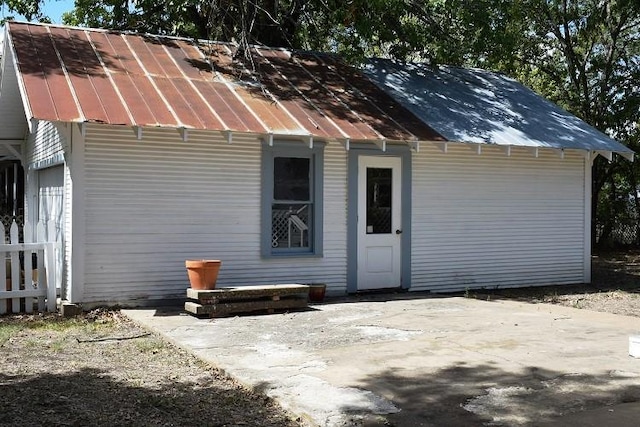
x=363, y=149
x=293, y=149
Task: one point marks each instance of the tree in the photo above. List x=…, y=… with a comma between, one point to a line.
x=30, y=9
x=353, y=28
x=582, y=54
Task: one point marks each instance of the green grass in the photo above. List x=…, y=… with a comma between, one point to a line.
x=10, y=326
x=150, y=346
x=8, y=330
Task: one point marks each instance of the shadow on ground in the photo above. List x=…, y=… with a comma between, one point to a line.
x=466, y=395
x=618, y=270
x=91, y=397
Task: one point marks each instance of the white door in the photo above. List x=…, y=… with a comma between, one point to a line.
x=51, y=198
x=379, y=222
x=51, y=211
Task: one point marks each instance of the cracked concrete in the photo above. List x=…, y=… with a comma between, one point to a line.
x=419, y=360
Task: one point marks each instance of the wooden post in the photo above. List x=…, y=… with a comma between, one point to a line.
x=50, y=259
x=4, y=304
x=15, y=267
x=46, y=278
x=42, y=277
x=28, y=273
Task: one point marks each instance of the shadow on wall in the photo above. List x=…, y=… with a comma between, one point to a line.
x=466, y=395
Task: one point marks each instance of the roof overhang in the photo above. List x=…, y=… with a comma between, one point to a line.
x=482, y=108
x=81, y=75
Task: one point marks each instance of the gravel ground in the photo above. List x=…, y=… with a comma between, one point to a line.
x=101, y=369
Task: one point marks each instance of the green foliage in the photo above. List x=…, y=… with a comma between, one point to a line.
x=582, y=54
x=31, y=9
x=354, y=28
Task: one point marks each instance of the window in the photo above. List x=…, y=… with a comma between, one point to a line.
x=379, y=197
x=292, y=200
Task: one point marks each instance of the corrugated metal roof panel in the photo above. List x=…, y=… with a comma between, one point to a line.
x=320, y=95
x=103, y=88
x=305, y=113
x=251, y=89
x=478, y=106
x=368, y=118
x=43, y=75
x=77, y=75
x=367, y=89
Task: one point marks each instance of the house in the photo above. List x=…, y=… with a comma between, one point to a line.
x=290, y=167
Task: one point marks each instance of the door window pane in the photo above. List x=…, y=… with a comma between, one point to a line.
x=379, y=200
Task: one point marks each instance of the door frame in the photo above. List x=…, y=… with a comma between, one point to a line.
x=404, y=153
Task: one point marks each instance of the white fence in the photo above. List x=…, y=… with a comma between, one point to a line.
x=28, y=284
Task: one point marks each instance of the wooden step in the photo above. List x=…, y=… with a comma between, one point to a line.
x=225, y=309
x=247, y=292
x=246, y=299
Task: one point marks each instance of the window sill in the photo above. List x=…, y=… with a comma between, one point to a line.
x=286, y=255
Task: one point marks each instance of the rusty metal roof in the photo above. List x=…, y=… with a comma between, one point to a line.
x=85, y=75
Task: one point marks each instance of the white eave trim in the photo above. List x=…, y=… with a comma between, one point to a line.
x=627, y=155
x=606, y=154
x=8, y=48
x=534, y=150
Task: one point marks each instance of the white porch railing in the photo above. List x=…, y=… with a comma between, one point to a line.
x=26, y=286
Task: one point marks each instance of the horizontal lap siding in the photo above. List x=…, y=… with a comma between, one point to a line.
x=14, y=121
x=153, y=203
x=46, y=148
x=45, y=144
x=491, y=220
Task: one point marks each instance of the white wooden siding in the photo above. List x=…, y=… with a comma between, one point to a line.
x=45, y=149
x=152, y=203
x=45, y=146
x=484, y=220
x=491, y=220
x=14, y=121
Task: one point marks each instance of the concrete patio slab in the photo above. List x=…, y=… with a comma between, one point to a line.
x=415, y=360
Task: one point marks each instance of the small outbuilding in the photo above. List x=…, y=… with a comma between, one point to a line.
x=289, y=167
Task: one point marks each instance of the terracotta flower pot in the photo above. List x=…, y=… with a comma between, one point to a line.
x=316, y=292
x=203, y=273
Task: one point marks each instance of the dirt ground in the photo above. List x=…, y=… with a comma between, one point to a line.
x=102, y=369
x=614, y=288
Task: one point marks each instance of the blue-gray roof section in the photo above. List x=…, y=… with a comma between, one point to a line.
x=478, y=106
